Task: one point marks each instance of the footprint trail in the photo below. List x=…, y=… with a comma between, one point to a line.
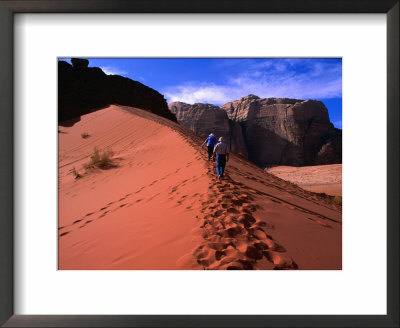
x=229, y=236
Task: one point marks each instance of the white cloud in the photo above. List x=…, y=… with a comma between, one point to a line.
x=113, y=71
x=198, y=94
x=262, y=87
x=291, y=78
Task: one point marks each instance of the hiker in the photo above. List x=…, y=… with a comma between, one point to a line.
x=211, y=140
x=221, y=154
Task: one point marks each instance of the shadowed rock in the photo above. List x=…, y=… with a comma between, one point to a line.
x=83, y=89
x=80, y=63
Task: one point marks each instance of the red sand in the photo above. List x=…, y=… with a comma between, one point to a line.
x=160, y=206
x=319, y=178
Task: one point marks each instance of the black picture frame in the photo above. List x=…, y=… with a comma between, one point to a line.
x=10, y=7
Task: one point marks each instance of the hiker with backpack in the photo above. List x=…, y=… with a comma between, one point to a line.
x=221, y=155
x=210, y=141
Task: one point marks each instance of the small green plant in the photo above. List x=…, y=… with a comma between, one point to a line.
x=75, y=173
x=85, y=135
x=98, y=159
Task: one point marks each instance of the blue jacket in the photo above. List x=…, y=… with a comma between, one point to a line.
x=211, y=140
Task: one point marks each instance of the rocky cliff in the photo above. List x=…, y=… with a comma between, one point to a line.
x=271, y=131
x=205, y=119
x=83, y=89
x=286, y=131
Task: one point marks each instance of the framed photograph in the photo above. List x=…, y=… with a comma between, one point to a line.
x=62, y=260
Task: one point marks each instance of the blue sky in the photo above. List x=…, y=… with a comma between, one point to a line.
x=220, y=80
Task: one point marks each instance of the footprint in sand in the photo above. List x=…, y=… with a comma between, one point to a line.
x=104, y=214
x=232, y=210
x=282, y=262
x=238, y=202
x=247, y=220
x=250, y=208
x=218, y=213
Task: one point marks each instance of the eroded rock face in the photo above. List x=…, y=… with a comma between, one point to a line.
x=205, y=119
x=271, y=131
x=281, y=131
x=83, y=89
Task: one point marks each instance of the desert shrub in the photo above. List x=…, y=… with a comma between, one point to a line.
x=85, y=135
x=99, y=159
x=337, y=200
x=75, y=173
x=333, y=199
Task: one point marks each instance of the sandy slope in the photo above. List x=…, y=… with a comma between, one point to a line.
x=160, y=206
x=319, y=178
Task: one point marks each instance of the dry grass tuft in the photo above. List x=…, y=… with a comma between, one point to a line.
x=337, y=200
x=99, y=159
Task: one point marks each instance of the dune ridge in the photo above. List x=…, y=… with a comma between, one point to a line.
x=160, y=206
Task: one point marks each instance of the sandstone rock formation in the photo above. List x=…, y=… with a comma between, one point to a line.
x=83, y=89
x=281, y=131
x=205, y=119
x=271, y=131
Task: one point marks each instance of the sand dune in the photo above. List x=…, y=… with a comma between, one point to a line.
x=319, y=178
x=159, y=206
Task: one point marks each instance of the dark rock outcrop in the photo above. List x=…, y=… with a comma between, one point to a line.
x=331, y=151
x=205, y=119
x=80, y=63
x=83, y=89
x=281, y=131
